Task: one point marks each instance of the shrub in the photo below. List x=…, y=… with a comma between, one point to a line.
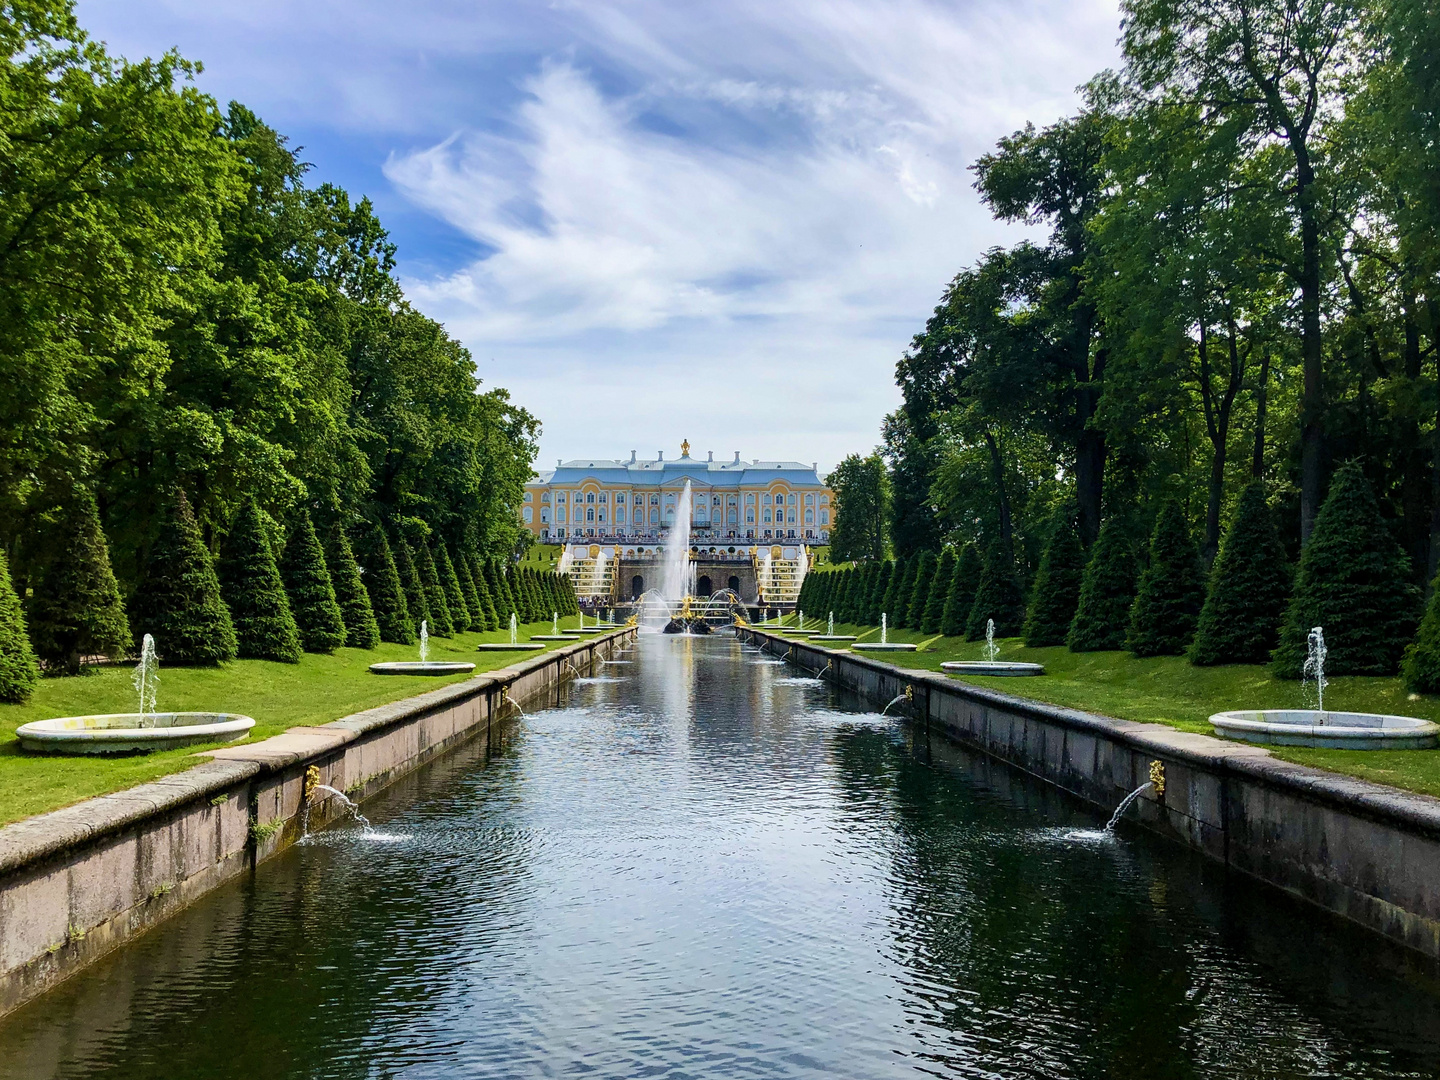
x=450, y=584
x=440, y=622
x=1354, y=581
x=1171, y=592
x=250, y=583
x=1106, y=592
x=937, y=592
x=18, y=671
x=1249, y=585
x=312, y=595
x=387, y=595
x=1421, y=665
x=416, y=603
x=76, y=609
x=178, y=599
x=1056, y=592
x=998, y=595
x=961, y=597
x=920, y=590
x=362, y=631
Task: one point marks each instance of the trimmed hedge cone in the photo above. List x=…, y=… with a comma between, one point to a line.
x=362, y=630
x=450, y=582
x=962, y=592
x=250, y=583
x=1056, y=593
x=18, y=670
x=1167, y=603
x=311, y=593
x=483, y=589
x=441, y=624
x=1249, y=587
x=76, y=611
x=468, y=591
x=387, y=595
x=178, y=601
x=415, y=602
x=889, y=605
x=937, y=592
x=1354, y=581
x=998, y=596
x=1107, y=592
x=920, y=590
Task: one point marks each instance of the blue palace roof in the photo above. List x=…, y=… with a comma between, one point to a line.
x=659, y=473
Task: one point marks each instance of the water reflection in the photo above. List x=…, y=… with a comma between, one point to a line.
x=706, y=866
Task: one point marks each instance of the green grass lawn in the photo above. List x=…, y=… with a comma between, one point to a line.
x=278, y=696
x=1169, y=690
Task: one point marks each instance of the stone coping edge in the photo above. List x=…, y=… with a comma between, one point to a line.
x=28, y=841
x=1363, y=798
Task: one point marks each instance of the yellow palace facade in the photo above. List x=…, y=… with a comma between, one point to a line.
x=595, y=500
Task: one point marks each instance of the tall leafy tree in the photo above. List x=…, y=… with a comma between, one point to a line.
x=862, y=507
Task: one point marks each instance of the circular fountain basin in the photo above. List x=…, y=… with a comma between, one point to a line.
x=833, y=637
x=501, y=646
x=884, y=646
x=120, y=733
x=586, y=630
x=992, y=667
x=556, y=637
x=422, y=667
x=1334, y=730
x=794, y=633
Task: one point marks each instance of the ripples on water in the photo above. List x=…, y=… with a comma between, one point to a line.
x=714, y=868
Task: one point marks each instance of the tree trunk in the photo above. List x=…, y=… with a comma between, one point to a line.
x=1257, y=459
x=1312, y=404
x=1434, y=562
x=997, y=463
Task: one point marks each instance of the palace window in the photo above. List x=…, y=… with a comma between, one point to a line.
x=767, y=515
x=544, y=516
x=620, y=499
x=654, y=500
x=590, y=496
x=526, y=514
x=589, y=513
x=560, y=513
x=715, y=501
x=602, y=496
x=809, y=500
x=749, y=515
x=824, y=500
x=809, y=517
x=560, y=496
x=545, y=496
x=792, y=517
x=824, y=517
x=791, y=499
x=767, y=500
x=654, y=517
x=527, y=496
x=731, y=518
x=602, y=517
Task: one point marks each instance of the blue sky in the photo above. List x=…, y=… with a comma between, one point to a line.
x=656, y=221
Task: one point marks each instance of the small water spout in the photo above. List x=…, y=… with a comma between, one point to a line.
x=424, y=641
x=555, y=622
x=1314, y=669
x=514, y=625
x=800, y=620
x=991, y=649
x=884, y=628
x=335, y=793
x=1125, y=805
x=146, y=678
x=506, y=695
x=830, y=625
x=908, y=695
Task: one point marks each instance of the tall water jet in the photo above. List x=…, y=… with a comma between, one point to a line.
x=991, y=649
x=514, y=625
x=676, y=580
x=146, y=678
x=1314, y=669
x=424, y=641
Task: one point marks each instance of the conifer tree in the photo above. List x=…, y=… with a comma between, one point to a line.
x=842, y=597
x=1354, y=581
x=441, y=624
x=892, y=589
x=1106, y=592
x=311, y=593
x=998, y=595
x=18, y=671
x=470, y=593
x=486, y=593
x=178, y=599
x=76, y=610
x=1249, y=587
x=1421, y=665
x=875, y=602
x=961, y=597
x=1056, y=592
x=416, y=603
x=920, y=590
x=504, y=602
x=251, y=586
x=450, y=584
x=387, y=594
x=939, y=592
x=1171, y=591
x=356, y=610
x=904, y=592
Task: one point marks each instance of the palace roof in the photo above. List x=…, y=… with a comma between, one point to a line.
x=659, y=473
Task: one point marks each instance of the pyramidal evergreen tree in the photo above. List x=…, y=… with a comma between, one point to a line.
x=939, y=592
x=875, y=602
x=961, y=597
x=251, y=586
x=504, y=602
x=1106, y=592
x=920, y=590
x=387, y=595
x=441, y=624
x=1354, y=581
x=1172, y=589
x=468, y=591
x=416, y=603
x=450, y=583
x=178, y=599
x=482, y=589
x=18, y=670
x=998, y=595
x=76, y=611
x=312, y=594
x=1056, y=592
x=1249, y=587
x=905, y=593
x=844, y=608
x=362, y=631
x=1421, y=664
x=888, y=604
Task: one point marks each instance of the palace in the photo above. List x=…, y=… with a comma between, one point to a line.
x=635, y=502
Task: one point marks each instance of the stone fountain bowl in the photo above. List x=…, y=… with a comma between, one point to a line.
x=1334, y=730
x=122, y=733
x=505, y=646
x=992, y=667
x=422, y=667
x=832, y=637
x=884, y=646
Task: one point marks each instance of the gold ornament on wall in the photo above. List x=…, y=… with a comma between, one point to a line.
x=1157, y=778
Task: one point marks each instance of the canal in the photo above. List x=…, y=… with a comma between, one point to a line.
x=701, y=864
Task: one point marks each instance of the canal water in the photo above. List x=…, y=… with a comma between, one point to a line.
x=701, y=864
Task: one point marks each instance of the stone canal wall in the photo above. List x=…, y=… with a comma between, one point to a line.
x=1364, y=851
x=77, y=882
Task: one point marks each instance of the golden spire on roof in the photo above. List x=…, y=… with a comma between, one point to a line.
x=685, y=448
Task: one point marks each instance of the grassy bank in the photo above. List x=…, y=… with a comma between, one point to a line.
x=1169, y=690
x=278, y=696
